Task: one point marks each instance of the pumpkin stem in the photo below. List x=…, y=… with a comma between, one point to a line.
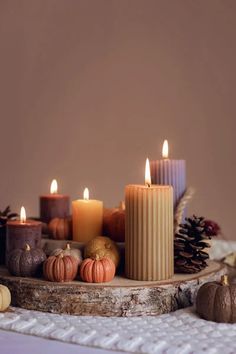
x=122, y=205
x=67, y=246
x=224, y=280
x=27, y=247
x=97, y=257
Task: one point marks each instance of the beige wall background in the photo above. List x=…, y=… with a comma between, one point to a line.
x=89, y=89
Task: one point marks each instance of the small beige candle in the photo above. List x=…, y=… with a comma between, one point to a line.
x=149, y=231
x=87, y=218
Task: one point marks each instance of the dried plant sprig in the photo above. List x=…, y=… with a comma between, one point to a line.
x=179, y=211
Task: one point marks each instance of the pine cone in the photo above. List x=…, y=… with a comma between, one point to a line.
x=190, y=245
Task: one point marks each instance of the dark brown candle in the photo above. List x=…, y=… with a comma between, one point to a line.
x=54, y=205
x=21, y=233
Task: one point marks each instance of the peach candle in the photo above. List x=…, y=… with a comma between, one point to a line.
x=149, y=230
x=87, y=218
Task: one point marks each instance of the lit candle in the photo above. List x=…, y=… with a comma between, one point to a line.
x=149, y=230
x=21, y=232
x=170, y=172
x=54, y=205
x=87, y=218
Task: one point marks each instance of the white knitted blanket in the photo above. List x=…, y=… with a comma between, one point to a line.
x=181, y=332
x=178, y=332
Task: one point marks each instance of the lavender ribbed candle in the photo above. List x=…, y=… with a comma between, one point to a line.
x=170, y=172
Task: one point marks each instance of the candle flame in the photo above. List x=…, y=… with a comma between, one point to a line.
x=22, y=215
x=165, y=150
x=147, y=173
x=86, y=194
x=54, y=187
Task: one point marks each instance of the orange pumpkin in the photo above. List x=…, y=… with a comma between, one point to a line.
x=60, y=268
x=97, y=270
x=114, y=223
x=60, y=228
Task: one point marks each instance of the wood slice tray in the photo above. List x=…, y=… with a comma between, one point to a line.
x=121, y=298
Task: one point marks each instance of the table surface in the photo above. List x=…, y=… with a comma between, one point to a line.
x=15, y=343
x=11, y=342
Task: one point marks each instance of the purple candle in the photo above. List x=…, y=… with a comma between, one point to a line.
x=54, y=205
x=22, y=232
x=170, y=172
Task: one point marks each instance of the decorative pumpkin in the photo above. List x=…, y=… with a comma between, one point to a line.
x=26, y=262
x=114, y=223
x=102, y=246
x=60, y=228
x=60, y=268
x=216, y=301
x=68, y=251
x=99, y=270
x=5, y=298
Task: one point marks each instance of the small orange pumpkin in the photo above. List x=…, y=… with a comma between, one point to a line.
x=97, y=270
x=114, y=223
x=60, y=228
x=60, y=268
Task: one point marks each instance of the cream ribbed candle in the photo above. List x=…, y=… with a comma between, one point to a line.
x=149, y=232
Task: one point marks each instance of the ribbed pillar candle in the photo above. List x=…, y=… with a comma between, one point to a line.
x=170, y=172
x=149, y=232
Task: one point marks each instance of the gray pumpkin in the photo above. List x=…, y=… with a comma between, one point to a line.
x=26, y=262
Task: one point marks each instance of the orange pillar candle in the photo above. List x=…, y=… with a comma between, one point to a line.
x=54, y=205
x=87, y=218
x=149, y=231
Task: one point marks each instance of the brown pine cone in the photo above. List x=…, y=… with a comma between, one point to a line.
x=190, y=245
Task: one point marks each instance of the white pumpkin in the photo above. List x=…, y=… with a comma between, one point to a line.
x=5, y=298
x=68, y=251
